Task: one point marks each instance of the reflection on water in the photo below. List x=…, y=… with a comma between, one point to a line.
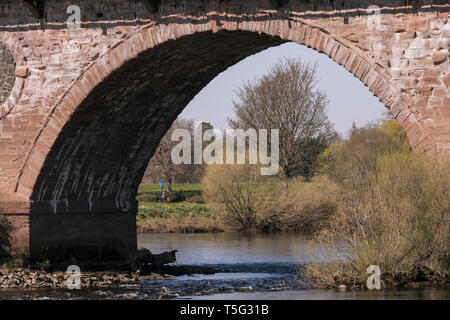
x=248, y=267
x=258, y=266
x=231, y=248
x=243, y=262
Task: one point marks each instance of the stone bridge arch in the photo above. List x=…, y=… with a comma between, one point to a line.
x=86, y=155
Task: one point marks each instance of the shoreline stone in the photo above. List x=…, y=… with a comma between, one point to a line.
x=24, y=278
x=36, y=279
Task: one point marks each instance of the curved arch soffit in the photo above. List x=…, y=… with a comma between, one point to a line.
x=288, y=28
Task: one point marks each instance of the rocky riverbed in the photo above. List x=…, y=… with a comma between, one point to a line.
x=33, y=279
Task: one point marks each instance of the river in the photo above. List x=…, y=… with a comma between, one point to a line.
x=248, y=267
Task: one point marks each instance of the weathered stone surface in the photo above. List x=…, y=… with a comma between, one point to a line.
x=85, y=108
x=446, y=81
x=439, y=56
x=21, y=72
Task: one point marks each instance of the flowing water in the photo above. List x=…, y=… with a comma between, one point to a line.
x=247, y=267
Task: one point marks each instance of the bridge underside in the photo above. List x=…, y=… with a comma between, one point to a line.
x=83, y=203
x=82, y=110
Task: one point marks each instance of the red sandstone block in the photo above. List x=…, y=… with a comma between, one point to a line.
x=139, y=44
x=35, y=162
x=116, y=58
x=442, y=114
x=334, y=50
x=440, y=92
x=402, y=116
x=84, y=87
x=374, y=82
x=156, y=36
x=28, y=178
x=423, y=90
x=341, y=54
x=48, y=138
x=312, y=38
x=304, y=30
x=53, y=125
x=22, y=71
x=5, y=157
x=76, y=96
x=36, y=121
x=380, y=88
x=446, y=80
x=439, y=56
x=361, y=69
x=446, y=102
x=319, y=46
x=351, y=59
x=414, y=133
x=89, y=80
x=284, y=30
x=65, y=108
x=365, y=74
x=425, y=82
x=431, y=73
x=41, y=149
x=97, y=73
x=420, y=101
x=326, y=40
x=355, y=64
x=24, y=192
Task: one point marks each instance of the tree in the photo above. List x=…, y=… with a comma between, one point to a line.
x=348, y=162
x=309, y=151
x=162, y=158
x=161, y=164
x=286, y=99
x=393, y=210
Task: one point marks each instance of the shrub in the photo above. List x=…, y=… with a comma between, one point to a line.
x=231, y=192
x=397, y=219
x=235, y=193
x=313, y=205
x=348, y=162
x=5, y=241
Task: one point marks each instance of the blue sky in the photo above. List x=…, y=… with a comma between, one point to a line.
x=350, y=100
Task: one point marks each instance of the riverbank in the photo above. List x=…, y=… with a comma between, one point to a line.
x=254, y=266
x=185, y=212
x=24, y=278
x=309, y=204
x=178, y=217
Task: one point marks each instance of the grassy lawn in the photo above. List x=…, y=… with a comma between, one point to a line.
x=152, y=187
x=189, y=216
x=171, y=210
x=173, y=217
x=179, y=217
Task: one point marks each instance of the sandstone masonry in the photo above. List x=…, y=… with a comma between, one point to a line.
x=82, y=110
